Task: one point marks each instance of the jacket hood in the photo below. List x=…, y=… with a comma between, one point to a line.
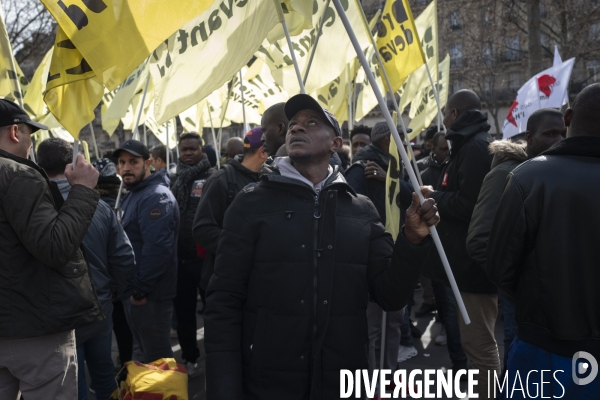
x=270, y=173
x=372, y=152
x=157, y=178
x=467, y=125
x=504, y=150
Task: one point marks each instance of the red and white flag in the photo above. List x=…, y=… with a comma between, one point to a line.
x=545, y=90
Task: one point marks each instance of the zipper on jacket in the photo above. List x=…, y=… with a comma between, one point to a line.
x=317, y=215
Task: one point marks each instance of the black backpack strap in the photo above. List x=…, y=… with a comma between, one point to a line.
x=231, y=183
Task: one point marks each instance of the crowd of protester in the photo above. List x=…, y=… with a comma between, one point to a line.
x=285, y=246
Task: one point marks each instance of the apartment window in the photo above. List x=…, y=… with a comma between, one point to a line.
x=514, y=80
x=456, y=86
x=512, y=49
x=593, y=67
x=488, y=53
x=455, y=23
x=594, y=32
x=456, y=56
x=487, y=87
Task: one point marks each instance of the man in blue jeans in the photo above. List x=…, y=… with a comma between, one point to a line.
x=111, y=260
x=150, y=218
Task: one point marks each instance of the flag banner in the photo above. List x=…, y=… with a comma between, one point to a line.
x=547, y=89
x=9, y=87
x=392, y=191
x=557, y=61
x=190, y=120
x=334, y=96
x=327, y=64
x=160, y=130
x=194, y=62
x=298, y=17
x=34, y=98
x=365, y=98
x=424, y=107
x=117, y=101
x=215, y=103
x=397, y=42
x=115, y=36
x=426, y=25
x=71, y=85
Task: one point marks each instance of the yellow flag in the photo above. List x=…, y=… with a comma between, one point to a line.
x=118, y=100
x=34, y=98
x=298, y=17
x=392, y=191
x=334, y=96
x=425, y=106
x=9, y=87
x=115, y=36
x=160, y=130
x=398, y=42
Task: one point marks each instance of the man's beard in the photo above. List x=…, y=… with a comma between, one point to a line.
x=137, y=178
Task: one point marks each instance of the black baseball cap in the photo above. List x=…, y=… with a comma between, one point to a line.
x=301, y=102
x=134, y=147
x=11, y=113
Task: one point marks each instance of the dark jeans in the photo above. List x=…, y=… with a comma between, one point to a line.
x=509, y=323
x=151, y=328
x=96, y=353
x=122, y=332
x=188, y=279
x=450, y=318
x=406, y=338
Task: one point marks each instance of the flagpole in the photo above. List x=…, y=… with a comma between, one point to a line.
x=435, y=91
x=168, y=148
x=314, y=47
x=212, y=129
x=403, y=155
x=390, y=92
x=223, y=112
x=289, y=42
x=145, y=136
x=75, y=151
x=350, y=116
x=243, y=103
x=94, y=140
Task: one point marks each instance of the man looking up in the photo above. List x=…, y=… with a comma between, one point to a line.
x=545, y=127
x=298, y=257
x=360, y=137
x=219, y=192
x=274, y=126
x=151, y=221
x=537, y=256
x=193, y=170
x=45, y=286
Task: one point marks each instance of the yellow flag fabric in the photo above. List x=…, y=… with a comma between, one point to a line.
x=334, y=95
x=71, y=85
x=333, y=52
x=191, y=63
x=425, y=106
x=9, y=87
x=115, y=36
x=298, y=17
x=122, y=96
x=392, y=191
x=398, y=43
x=365, y=98
x=34, y=98
x=160, y=130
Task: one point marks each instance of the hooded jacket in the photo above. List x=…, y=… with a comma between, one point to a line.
x=507, y=156
x=218, y=195
x=110, y=257
x=543, y=249
x=456, y=195
x=286, y=307
x=45, y=286
x=151, y=221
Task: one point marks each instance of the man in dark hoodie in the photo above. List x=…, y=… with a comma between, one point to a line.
x=219, y=193
x=193, y=170
x=545, y=127
x=151, y=221
x=110, y=256
x=543, y=253
x=456, y=195
x=298, y=257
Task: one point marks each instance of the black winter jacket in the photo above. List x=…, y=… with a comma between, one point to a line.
x=432, y=170
x=219, y=192
x=543, y=250
x=456, y=195
x=45, y=286
x=286, y=307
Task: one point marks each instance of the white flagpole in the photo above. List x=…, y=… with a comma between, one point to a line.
x=145, y=136
x=314, y=48
x=94, y=140
x=75, y=151
x=168, y=148
x=403, y=155
x=212, y=129
x=350, y=116
x=243, y=103
x=289, y=42
x=435, y=91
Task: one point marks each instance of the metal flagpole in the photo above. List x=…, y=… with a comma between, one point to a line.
x=135, y=134
x=382, y=345
x=350, y=116
x=289, y=42
x=212, y=129
x=403, y=155
x=435, y=92
x=168, y=148
x=314, y=48
x=75, y=151
x=243, y=103
x=390, y=92
x=145, y=136
x=94, y=140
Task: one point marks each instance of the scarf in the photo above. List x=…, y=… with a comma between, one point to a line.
x=185, y=175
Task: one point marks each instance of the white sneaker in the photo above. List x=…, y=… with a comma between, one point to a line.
x=441, y=339
x=192, y=369
x=404, y=353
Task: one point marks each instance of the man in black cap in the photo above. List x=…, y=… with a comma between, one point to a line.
x=45, y=287
x=151, y=221
x=298, y=257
